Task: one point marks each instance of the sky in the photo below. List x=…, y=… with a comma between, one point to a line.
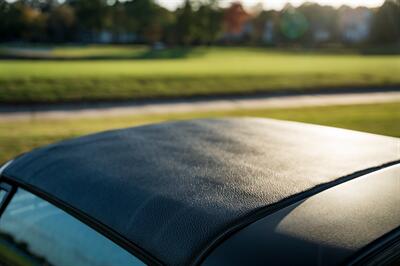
x=278, y=4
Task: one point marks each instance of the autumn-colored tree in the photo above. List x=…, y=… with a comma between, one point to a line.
x=234, y=18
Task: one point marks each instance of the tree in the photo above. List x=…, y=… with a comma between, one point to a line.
x=386, y=23
x=91, y=15
x=37, y=23
x=121, y=23
x=5, y=20
x=234, y=18
x=321, y=21
x=148, y=19
x=266, y=27
x=25, y=20
x=186, y=24
x=12, y=25
x=208, y=22
x=293, y=24
x=61, y=23
x=155, y=29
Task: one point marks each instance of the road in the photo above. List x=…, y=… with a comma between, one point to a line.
x=181, y=106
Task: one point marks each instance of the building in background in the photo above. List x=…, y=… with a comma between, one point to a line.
x=355, y=24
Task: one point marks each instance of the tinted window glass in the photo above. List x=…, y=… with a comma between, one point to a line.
x=35, y=232
x=3, y=193
x=4, y=189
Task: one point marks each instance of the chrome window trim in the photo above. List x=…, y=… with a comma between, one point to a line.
x=4, y=166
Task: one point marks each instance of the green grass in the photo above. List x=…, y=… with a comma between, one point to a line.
x=187, y=72
x=10, y=257
x=98, y=51
x=21, y=136
x=73, y=52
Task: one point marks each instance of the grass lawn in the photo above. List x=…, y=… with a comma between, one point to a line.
x=185, y=72
x=20, y=136
x=74, y=52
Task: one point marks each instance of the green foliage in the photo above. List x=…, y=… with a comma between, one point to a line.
x=386, y=26
x=194, y=23
x=208, y=20
x=185, y=24
x=148, y=19
x=91, y=14
x=293, y=24
x=61, y=23
x=319, y=18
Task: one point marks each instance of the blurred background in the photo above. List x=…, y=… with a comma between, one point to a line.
x=71, y=67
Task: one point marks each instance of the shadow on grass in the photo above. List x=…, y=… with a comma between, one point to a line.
x=146, y=54
x=172, y=53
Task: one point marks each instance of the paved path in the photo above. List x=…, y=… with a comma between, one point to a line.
x=114, y=109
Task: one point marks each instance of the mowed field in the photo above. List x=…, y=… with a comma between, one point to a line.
x=23, y=135
x=108, y=73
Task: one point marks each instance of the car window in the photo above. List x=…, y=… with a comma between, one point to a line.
x=35, y=232
x=3, y=193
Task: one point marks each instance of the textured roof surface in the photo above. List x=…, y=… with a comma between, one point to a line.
x=172, y=188
x=328, y=228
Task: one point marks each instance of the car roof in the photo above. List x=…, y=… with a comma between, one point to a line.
x=175, y=189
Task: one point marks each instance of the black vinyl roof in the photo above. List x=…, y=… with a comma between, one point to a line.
x=342, y=225
x=174, y=188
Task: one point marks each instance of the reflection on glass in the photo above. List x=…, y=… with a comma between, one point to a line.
x=3, y=193
x=34, y=232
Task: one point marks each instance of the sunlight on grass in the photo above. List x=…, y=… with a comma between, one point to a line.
x=21, y=136
x=186, y=73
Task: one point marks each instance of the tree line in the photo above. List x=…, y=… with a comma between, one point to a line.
x=194, y=23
